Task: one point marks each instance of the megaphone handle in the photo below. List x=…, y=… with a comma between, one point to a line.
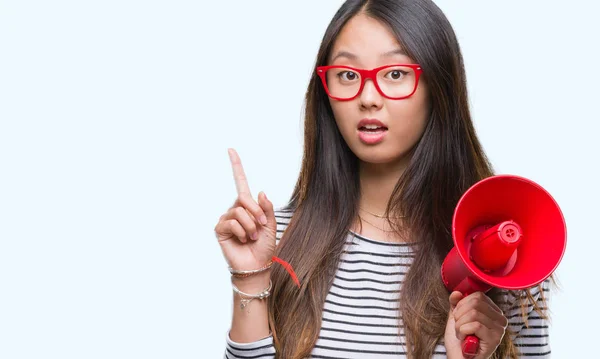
x=470, y=347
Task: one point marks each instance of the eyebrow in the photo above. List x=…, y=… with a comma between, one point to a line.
x=352, y=56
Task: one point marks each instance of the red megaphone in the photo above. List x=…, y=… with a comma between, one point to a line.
x=508, y=233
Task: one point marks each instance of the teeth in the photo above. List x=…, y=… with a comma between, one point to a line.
x=372, y=127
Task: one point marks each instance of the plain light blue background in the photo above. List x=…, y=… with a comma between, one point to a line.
x=115, y=117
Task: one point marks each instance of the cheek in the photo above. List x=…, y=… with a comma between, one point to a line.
x=409, y=119
x=343, y=114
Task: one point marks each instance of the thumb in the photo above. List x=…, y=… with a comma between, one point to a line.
x=454, y=298
x=267, y=207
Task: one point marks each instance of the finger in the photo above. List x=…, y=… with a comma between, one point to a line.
x=267, y=207
x=473, y=328
x=454, y=298
x=477, y=297
x=237, y=203
x=231, y=226
x=489, y=301
x=473, y=315
x=489, y=335
x=246, y=201
x=240, y=214
x=239, y=176
x=482, y=306
x=238, y=231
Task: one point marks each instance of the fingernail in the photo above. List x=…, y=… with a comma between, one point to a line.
x=263, y=220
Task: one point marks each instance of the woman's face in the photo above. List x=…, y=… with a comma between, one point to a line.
x=365, y=43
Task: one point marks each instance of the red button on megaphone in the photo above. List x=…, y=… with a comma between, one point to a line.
x=508, y=233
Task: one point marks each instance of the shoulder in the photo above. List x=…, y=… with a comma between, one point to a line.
x=530, y=297
x=528, y=308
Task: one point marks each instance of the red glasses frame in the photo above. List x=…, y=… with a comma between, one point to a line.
x=368, y=74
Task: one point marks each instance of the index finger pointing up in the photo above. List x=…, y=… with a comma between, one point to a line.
x=241, y=183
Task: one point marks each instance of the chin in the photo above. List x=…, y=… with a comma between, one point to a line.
x=379, y=156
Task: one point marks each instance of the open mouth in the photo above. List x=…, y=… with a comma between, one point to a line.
x=372, y=129
x=372, y=134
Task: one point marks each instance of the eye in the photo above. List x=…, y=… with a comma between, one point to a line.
x=396, y=74
x=348, y=75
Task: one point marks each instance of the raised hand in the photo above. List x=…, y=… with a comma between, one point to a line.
x=246, y=232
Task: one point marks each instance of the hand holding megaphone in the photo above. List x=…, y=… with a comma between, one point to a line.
x=478, y=315
x=508, y=233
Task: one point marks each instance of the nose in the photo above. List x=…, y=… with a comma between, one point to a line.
x=370, y=96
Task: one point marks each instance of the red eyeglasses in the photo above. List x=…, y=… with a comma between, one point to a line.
x=395, y=82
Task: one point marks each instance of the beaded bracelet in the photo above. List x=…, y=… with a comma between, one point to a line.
x=248, y=273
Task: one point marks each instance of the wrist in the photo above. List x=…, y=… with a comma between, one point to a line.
x=453, y=351
x=253, y=284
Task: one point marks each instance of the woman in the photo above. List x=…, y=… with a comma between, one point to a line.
x=389, y=149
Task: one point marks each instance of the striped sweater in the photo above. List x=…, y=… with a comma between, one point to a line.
x=361, y=319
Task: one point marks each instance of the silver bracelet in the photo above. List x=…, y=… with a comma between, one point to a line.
x=246, y=298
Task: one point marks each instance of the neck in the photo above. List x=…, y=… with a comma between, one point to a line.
x=377, y=182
